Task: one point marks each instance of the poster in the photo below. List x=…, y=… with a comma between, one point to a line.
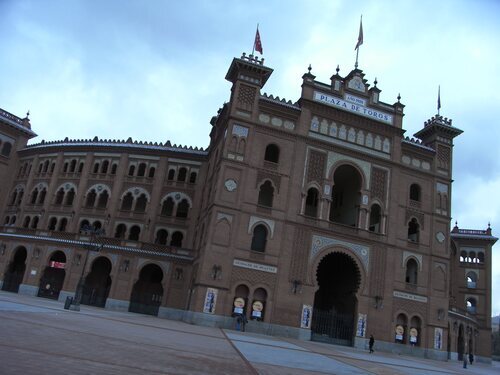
x=305, y=320
x=438, y=338
x=361, y=327
x=210, y=301
x=239, y=305
x=257, y=308
x=400, y=331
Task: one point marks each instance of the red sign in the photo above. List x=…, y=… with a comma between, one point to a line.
x=57, y=264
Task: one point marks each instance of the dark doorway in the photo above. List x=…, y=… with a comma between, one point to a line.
x=15, y=271
x=52, y=279
x=147, y=291
x=335, y=301
x=97, y=283
x=460, y=343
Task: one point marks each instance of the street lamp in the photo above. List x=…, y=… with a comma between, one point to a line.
x=93, y=245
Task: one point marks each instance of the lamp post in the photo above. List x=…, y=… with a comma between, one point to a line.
x=93, y=245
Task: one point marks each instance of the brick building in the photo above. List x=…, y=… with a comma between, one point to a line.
x=316, y=219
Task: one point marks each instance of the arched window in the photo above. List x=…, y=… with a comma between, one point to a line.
x=52, y=223
x=471, y=280
x=72, y=165
x=96, y=168
x=415, y=192
x=13, y=219
x=161, y=237
x=84, y=225
x=46, y=166
x=182, y=175
x=90, y=201
x=375, y=219
x=62, y=224
x=60, y=196
x=140, y=204
x=192, y=178
x=14, y=197
x=105, y=166
x=34, y=196
x=52, y=167
x=135, y=231
x=480, y=257
x=113, y=168
x=141, y=171
x=471, y=305
x=7, y=147
x=415, y=331
x=266, y=194
x=131, y=170
x=168, y=207
x=34, y=222
x=70, y=197
x=272, y=153
x=80, y=167
x=26, y=222
x=19, y=197
x=127, y=202
x=7, y=220
x=103, y=199
x=311, y=208
x=413, y=230
x=346, y=194
x=182, y=208
x=40, y=167
x=97, y=225
x=176, y=239
x=152, y=171
x=411, y=271
x=171, y=175
x=463, y=256
x=43, y=194
x=259, y=238
x=121, y=229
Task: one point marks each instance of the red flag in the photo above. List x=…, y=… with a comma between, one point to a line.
x=360, y=37
x=257, y=45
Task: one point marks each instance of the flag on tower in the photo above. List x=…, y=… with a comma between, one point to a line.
x=439, y=98
x=257, y=45
x=360, y=36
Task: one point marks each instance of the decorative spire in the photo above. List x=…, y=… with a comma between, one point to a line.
x=338, y=69
x=439, y=98
x=399, y=97
x=375, y=82
x=309, y=68
x=28, y=114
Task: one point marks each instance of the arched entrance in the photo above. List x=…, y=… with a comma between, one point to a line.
x=97, y=283
x=335, y=300
x=147, y=291
x=15, y=271
x=52, y=279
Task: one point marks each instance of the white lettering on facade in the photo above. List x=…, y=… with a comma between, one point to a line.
x=411, y=297
x=352, y=107
x=255, y=266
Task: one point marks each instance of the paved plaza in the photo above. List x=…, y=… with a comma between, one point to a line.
x=39, y=337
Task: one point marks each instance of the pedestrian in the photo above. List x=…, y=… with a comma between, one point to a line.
x=471, y=358
x=371, y=343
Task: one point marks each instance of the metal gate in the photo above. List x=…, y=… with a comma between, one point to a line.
x=332, y=327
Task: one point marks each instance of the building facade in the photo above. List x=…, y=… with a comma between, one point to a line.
x=316, y=220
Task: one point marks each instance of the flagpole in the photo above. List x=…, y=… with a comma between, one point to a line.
x=356, y=63
x=360, y=41
x=439, y=98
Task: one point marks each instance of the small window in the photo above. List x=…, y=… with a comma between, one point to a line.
x=167, y=208
x=7, y=147
x=80, y=167
x=192, y=178
x=375, y=219
x=161, y=237
x=72, y=167
x=182, y=175
x=43, y=194
x=272, y=153
x=46, y=166
x=90, y=201
x=182, y=209
x=471, y=280
x=60, y=196
x=259, y=238
x=413, y=230
x=113, y=168
x=103, y=200
x=26, y=223
x=127, y=202
x=411, y=271
x=135, y=231
x=311, y=202
x=131, y=170
x=171, y=175
x=70, y=197
x=34, y=196
x=471, y=305
x=415, y=193
x=104, y=167
x=62, y=224
x=121, y=229
x=266, y=194
x=96, y=168
x=52, y=223
x=176, y=239
x=141, y=171
x=34, y=222
x=140, y=204
x=152, y=171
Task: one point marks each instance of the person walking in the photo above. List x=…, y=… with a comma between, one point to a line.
x=371, y=343
x=471, y=358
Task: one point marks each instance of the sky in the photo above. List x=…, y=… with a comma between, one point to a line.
x=132, y=68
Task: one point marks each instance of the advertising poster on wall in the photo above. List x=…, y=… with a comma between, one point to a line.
x=239, y=305
x=413, y=336
x=438, y=338
x=257, y=308
x=305, y=320
x=361, y=327
x=400, y=331
x=210, y=301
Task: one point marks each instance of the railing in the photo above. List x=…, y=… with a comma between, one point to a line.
x=11, y=117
